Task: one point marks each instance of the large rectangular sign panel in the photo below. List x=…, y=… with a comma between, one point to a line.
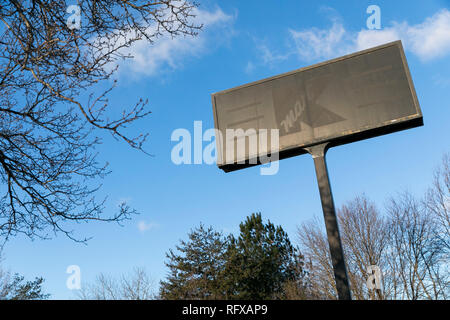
x=354, y=97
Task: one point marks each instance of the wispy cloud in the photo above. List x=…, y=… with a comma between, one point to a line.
x=441, y=81
x=268, y=56
x=144, y=226
x=168, y=54
x=314, y=43
x=249, y=67
x=427, y=40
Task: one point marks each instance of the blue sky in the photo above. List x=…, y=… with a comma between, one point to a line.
x=245, y=41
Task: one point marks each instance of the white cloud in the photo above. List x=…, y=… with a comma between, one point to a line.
x=427, y=40
x=144, y=226
x=430, y=39
x=168, y=53
x=371, y=38
x=209, y=18
x=249, y=67
x=268, y=56
x=316, y=43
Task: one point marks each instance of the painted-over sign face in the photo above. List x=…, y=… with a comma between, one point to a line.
x=354, y=97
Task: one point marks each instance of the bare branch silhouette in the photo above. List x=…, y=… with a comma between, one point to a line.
x=48, y=165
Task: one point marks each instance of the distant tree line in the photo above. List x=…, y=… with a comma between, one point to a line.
x=409, y=243
x=136, y=285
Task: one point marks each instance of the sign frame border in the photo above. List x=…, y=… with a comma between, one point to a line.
x=386, y=127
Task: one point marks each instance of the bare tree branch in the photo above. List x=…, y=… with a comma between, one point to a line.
x=48, y=165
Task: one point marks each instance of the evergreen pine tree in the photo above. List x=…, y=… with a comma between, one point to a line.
x=196, y=268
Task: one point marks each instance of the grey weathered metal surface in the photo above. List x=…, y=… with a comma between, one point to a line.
x=354, y=97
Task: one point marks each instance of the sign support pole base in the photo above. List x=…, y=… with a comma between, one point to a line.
x=329, y=212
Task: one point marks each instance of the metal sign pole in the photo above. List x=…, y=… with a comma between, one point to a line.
x=317, y=105
x=334, y=240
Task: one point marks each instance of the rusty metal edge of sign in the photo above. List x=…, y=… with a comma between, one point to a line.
x=383, y=128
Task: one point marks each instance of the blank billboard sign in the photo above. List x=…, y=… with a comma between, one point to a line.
x=354, y=97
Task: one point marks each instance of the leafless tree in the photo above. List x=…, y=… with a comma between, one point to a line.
x=50, y=115
x=314, y=247
x=363, y=234
x=365, y=238
x=406, y=244
x=5, y=278
x=136, y=285
x=437, y=200
x=416, y=255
